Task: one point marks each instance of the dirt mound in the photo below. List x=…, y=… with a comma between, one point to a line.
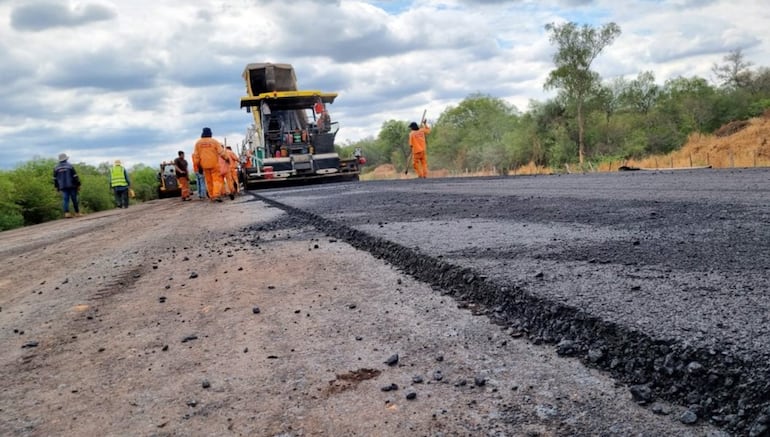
x=731, y=128
x=736, y=144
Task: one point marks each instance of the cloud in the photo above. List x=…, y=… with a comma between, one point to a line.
x=40, y=16
x=138, y=79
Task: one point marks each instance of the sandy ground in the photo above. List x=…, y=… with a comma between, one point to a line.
x=170, y=319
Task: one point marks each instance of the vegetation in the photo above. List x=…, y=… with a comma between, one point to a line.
x=28, y=196
x=590, y=122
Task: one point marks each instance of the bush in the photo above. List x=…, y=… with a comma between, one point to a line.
x=95, y=193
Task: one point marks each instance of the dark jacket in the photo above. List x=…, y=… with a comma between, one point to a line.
x=65, y=177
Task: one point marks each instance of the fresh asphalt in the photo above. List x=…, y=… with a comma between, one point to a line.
x=659, y=277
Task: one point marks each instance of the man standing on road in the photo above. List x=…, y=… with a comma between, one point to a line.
x=119, y=183
x=182, y=175
x=67, y=182
x=207, y=152
x=419, y=148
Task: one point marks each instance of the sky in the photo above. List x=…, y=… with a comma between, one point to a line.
x=136, y=80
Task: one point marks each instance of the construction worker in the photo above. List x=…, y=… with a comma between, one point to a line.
x=206, y=156
x=182, y=175
x=67, y=182
x=119, y=183
x=419, y=147
x=233, y=176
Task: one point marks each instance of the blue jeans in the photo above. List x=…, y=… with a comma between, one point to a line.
x=70, y=193
x=121, y=197
x=201, y=183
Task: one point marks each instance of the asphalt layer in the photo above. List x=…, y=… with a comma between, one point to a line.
x=660, y=278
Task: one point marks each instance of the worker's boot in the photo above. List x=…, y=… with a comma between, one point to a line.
x=67, y=215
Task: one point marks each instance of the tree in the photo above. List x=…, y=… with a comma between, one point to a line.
x=472, y=134
x=735, y=72
x=393, y=141
x=642, y=92
x=577, y=48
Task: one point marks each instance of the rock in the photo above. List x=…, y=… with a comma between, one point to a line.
x=437, y=375
x=205, y=383
x=193, y=275
x=694, y=367
x=359, y=338
x=255, y=310
x=758, y=429
x=642, y=393
x=29, y=344
x=661, y=409
x=411, y=396
x=565, y=347
x=164, y=348
x=389, y=387
x=480, y=381
x=189, y=338
x=594, y=355
x=192, y=403
x=688, y=418
x=417, y=379
x=392, y=360
x=440, y=358
x=162, y=299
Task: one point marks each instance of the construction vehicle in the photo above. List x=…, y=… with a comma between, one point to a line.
x=292, y=137
x=168, y=185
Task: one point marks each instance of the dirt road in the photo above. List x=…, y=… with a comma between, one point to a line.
x=173, y=318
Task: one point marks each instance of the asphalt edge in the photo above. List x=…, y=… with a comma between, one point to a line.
x=727, y=391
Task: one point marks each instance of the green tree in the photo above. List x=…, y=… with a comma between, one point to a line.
x=642, y=93
x=393, y=142
x=144, y=182
x=734, y=73
x=10, y=212
x=577, y=48
x=472, y=135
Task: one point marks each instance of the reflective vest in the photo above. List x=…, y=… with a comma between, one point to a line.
x=118, y=177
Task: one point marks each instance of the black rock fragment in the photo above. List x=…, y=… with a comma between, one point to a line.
x=29, y=344
x=641, y=393
x=205, y=383
x=392, y=360
x=189, y=338
x=411, y=396
x=688, y=417
x=417, y=379
x=389, y=387
x=480, y=381
x=193, y=275
x=255, y=310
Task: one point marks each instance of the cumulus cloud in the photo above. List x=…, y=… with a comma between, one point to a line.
x=40, y=16
x=138, y=79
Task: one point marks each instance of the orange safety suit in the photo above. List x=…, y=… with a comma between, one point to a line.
x=206, y=157
x=419, y=150
x=233, y=171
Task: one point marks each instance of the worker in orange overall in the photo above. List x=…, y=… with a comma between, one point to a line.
x=233, y=177
x=419, y=147
x=206, y=158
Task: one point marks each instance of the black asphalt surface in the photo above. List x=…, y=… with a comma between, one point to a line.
x=660, y=278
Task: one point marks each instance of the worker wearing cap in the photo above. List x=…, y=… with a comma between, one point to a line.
x=206, y=158
x=418, y=144
x=119, y=183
